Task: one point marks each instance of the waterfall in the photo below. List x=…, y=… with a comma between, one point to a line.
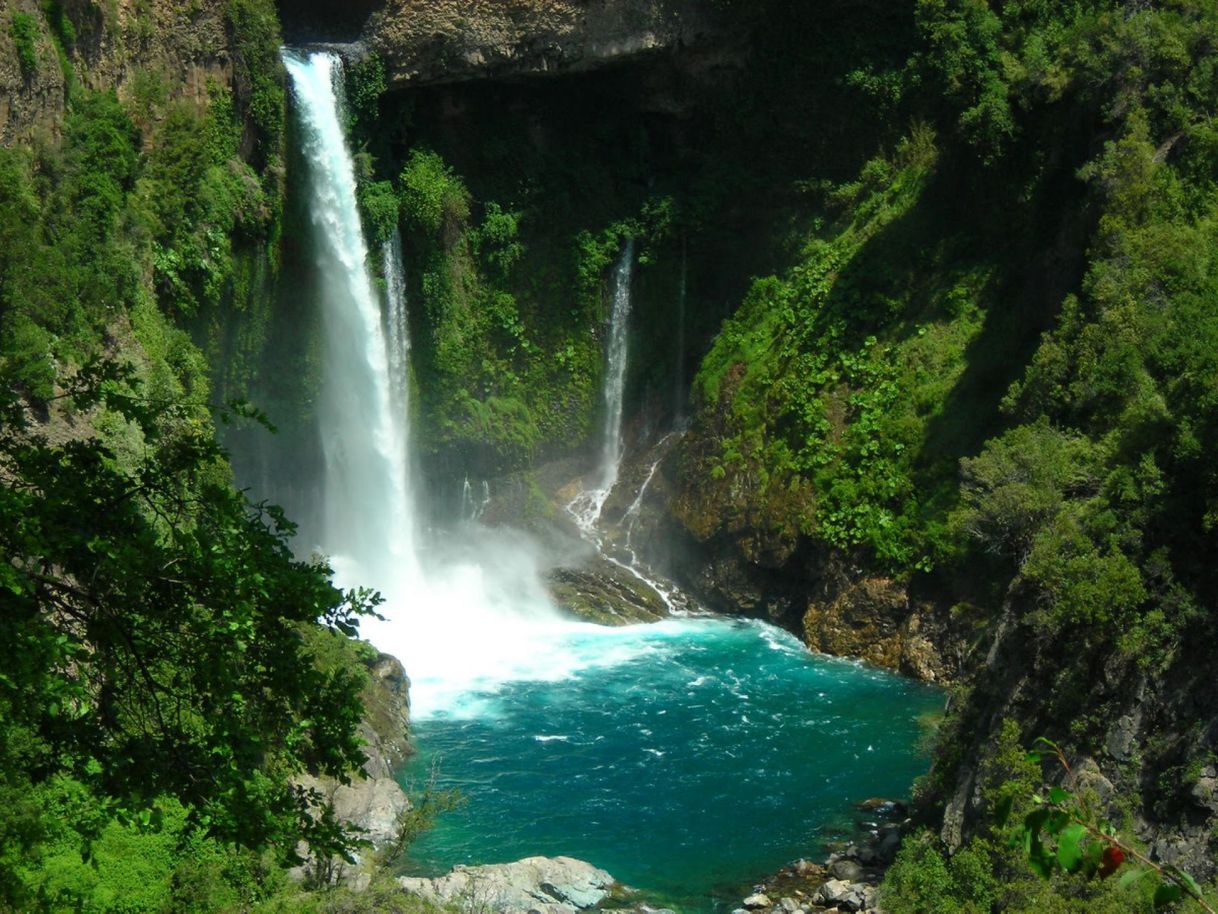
x=366, y=523
x=586, y=507
x=615, y=366
x=678, y=398
x=397, y=333
x=473, y=506
x=464, y=614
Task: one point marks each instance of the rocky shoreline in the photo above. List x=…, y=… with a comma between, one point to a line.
x=847, y=881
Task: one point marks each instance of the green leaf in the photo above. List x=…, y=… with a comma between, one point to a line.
x=1189, y=883
x=1056, y=822
x=1069, y=847
x=1133, y=874
x=1058, y=795
x=1166, y=894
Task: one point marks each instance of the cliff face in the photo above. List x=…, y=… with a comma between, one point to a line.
x=373, y=803
x=157, y=46
x=436, y=41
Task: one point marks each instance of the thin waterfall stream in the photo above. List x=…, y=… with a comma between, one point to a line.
x=587, y=506
x=679, y=755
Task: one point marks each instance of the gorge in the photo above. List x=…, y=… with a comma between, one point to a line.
x=511, y=696
x=633, y=353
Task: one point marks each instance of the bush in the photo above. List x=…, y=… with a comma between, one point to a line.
x=24, y=31
x=433, y=197
x=379, y=207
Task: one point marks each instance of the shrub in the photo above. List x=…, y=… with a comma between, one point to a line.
x=433, y=197
x=24, y=30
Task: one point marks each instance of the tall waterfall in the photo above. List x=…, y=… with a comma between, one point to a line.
x=586, y=507
x=464, y=614
x=367, y=518
x=594, y=763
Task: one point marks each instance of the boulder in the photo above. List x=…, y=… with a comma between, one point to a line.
x=757, y=900
x=602, y=592
x=846, y=870
x=887, y=849
x=846, y=896
x=546, y=885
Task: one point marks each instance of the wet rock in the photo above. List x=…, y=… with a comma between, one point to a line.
x=758, y=900
x=846, y=896
x=788, y=905
x=808, y=868
x=547, y=885
x=602, y=592
x=889, y=844
x=848, y=870
x=831, y=892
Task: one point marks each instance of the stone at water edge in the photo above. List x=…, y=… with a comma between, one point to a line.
x=756, y=901
x=846, y=870
x=846, y=896
x=549, y=885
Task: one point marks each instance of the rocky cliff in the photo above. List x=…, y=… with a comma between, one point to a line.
x=157, y=47
x=373, y=803
x=436, y=41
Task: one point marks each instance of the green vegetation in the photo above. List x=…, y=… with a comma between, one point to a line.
x=61, y=26
x=509, y=242
x=985, y=367
x=154, y=661
x=23, y=28
x=256, y=37
x=974, y=351
x=168, y=666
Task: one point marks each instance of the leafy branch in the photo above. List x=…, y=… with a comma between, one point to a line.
x=1065, y=833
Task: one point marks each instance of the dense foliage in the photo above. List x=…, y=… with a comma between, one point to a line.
x=989, y=373
x=167, y=664
x=507, y=256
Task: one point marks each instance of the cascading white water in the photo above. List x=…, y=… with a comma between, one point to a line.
x=466, y=614
x=586, y=507
x=474, y=499
x=397, y=338
x=366, y=524
x=397, y=331
x=615, y=370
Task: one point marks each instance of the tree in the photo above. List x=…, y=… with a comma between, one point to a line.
x=153, y=628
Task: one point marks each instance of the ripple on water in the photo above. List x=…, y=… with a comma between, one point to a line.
x=705, y=752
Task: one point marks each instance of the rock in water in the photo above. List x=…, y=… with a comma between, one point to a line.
x=548, y=885
x=605, y=593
